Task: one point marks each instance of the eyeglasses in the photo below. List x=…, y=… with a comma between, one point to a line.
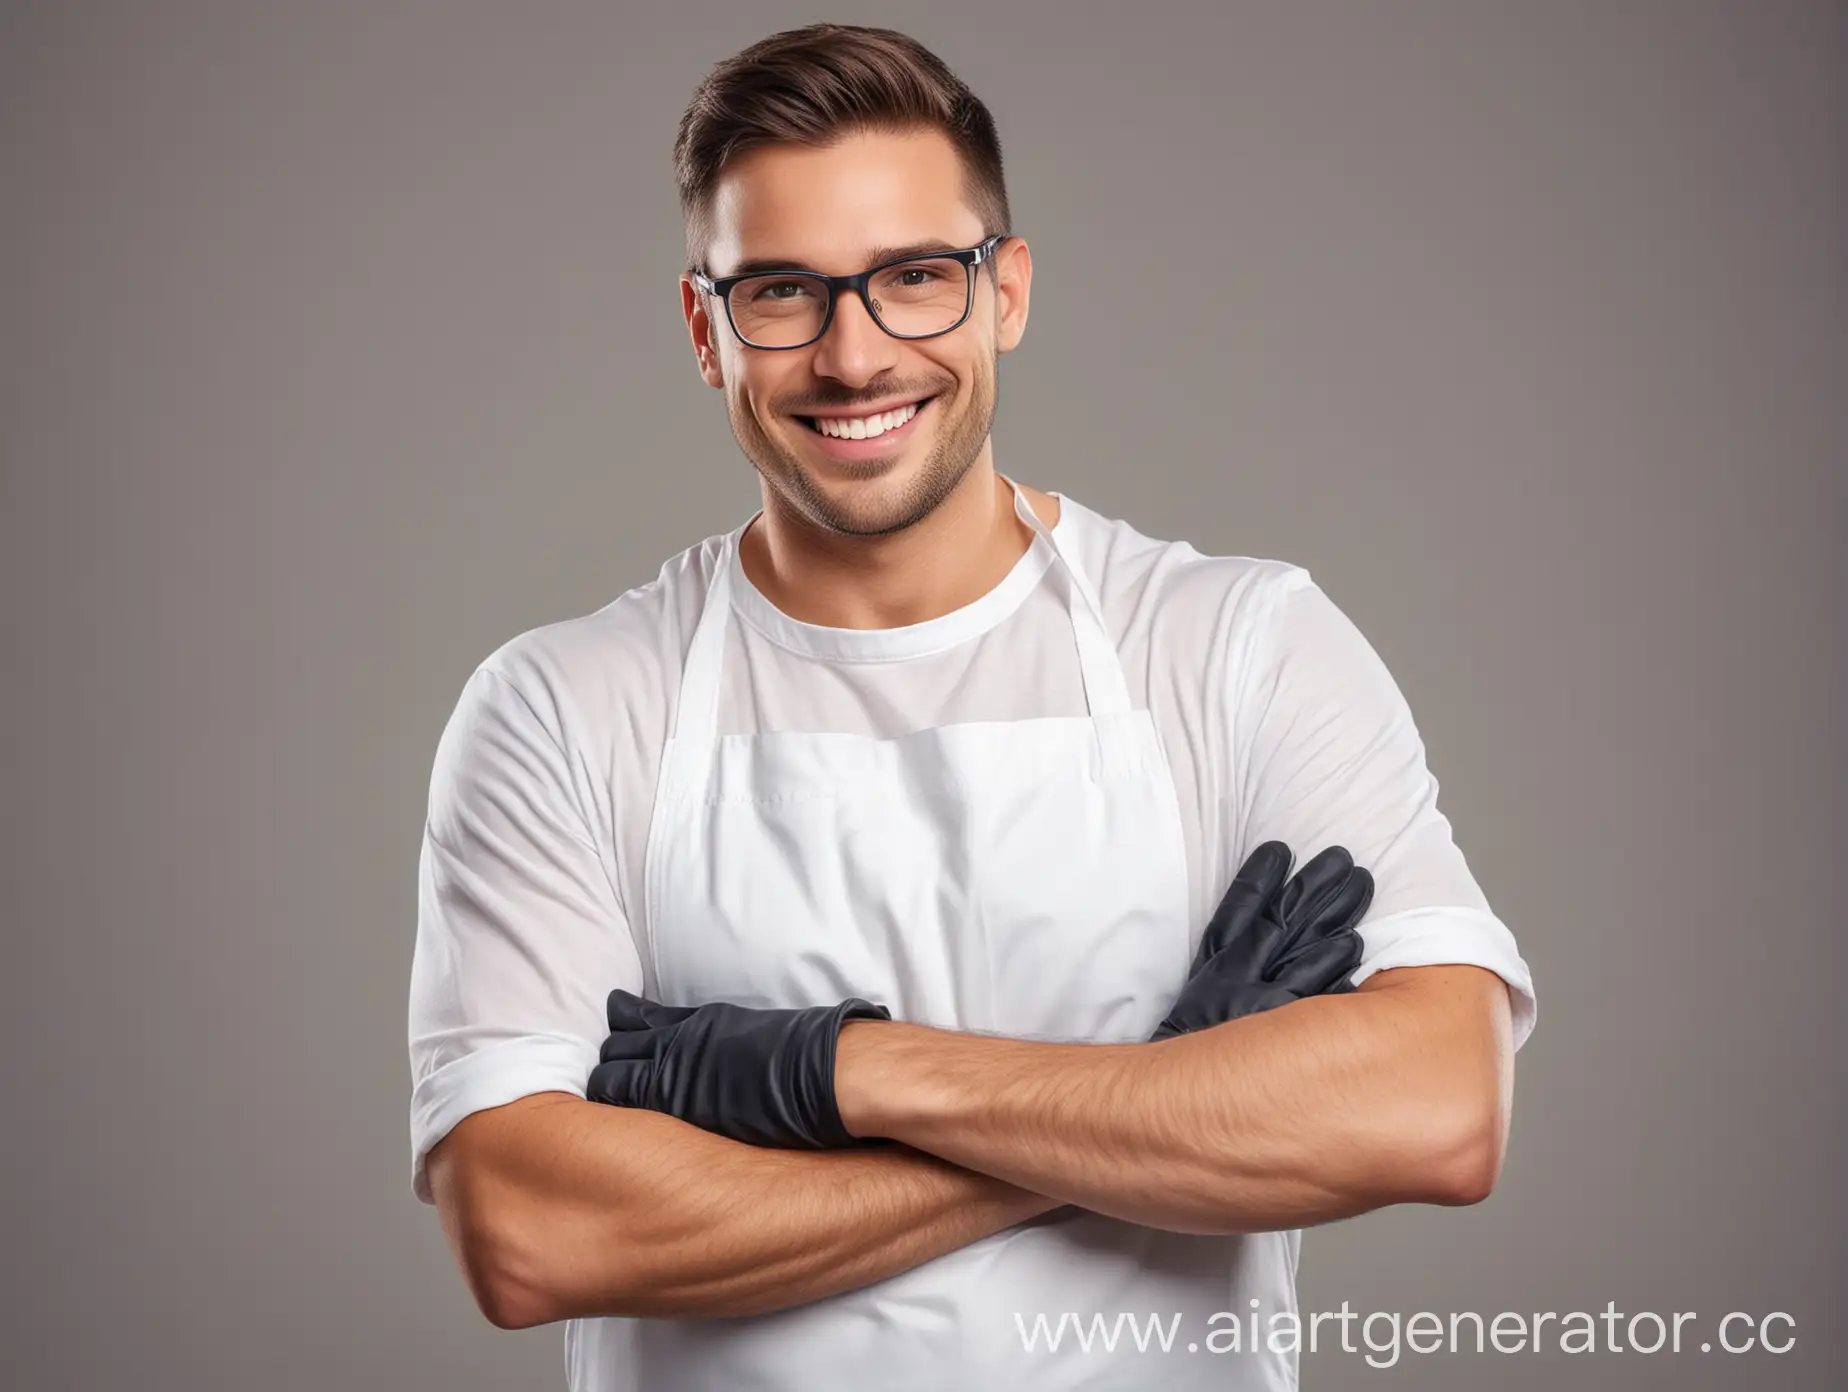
x=917, y=297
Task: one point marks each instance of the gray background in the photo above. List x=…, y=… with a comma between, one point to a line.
x=342, y=343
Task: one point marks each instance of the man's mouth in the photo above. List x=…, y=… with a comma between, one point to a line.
x=865, y=427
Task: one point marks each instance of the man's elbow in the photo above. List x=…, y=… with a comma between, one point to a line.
x=507, y=1290
x=1463, y=1159
x=497, y=1242
x=1450, y=1125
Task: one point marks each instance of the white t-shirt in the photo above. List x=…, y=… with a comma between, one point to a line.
x=1279, y=722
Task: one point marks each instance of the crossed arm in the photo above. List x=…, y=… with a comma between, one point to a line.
x=1399, y=1092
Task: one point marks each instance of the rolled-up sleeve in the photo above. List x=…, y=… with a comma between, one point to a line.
x=520, y=931
x=1333, y=757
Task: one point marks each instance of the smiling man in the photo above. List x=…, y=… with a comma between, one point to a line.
x=818, y=980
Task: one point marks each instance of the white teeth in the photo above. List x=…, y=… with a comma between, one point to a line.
x=866, y=427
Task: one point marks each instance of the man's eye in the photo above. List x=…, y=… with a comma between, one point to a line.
x=780, y=290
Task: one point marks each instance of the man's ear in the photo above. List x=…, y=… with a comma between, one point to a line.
x=1013, y=265
x=699, y=329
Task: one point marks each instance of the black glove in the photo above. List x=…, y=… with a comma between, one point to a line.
x=764, y=1077
x=1270, y=943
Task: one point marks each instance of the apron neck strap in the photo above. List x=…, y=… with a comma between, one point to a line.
x=1105, y=690
x=696, y=719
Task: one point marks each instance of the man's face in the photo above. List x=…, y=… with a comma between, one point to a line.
x=832, y=210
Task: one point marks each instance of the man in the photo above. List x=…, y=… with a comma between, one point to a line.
x=793, y=929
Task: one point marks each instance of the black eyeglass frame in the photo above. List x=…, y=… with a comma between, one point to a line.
x=971, y=257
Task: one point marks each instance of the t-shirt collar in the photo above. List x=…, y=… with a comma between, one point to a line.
x=895, y=644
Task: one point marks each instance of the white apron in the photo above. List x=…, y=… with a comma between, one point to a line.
x=1025, y=878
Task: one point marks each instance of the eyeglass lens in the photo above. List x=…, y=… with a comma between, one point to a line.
x=910, y=299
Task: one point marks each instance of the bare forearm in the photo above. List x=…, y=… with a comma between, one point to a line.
x=1317, y=1111
x=559, y=1208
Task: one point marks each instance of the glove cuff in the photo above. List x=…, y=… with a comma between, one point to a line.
x=835, y=1134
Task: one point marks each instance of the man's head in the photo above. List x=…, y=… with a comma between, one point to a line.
x=828, y=149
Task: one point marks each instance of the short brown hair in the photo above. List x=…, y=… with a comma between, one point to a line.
x=815, y=85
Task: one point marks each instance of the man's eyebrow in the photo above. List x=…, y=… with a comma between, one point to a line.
x=875, y=256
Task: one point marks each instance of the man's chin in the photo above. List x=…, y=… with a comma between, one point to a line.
x=871, y=500
x=860, y=498
x=829, y=472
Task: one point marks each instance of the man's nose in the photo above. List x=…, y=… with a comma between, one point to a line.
x=854, y=349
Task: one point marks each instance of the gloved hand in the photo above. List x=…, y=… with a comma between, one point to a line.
x=764, y=1077
x=1270, y=943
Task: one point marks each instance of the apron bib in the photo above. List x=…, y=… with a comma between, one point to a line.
x=1025, y=878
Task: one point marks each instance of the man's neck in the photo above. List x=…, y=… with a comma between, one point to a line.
x=952, y=558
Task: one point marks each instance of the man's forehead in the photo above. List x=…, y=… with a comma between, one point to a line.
x=841, y=207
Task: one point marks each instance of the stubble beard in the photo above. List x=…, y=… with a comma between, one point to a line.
x=867, y=512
